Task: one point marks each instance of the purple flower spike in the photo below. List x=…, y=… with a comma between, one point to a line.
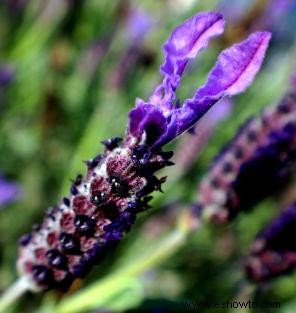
x=103, y=204
x=234, y=72
x=273, y=253
x=236, y=68
x=258, y=162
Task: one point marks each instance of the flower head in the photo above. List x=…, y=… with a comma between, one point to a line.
x=103, y=204
x=254, y=165
x=273, y=252
x=233, y=73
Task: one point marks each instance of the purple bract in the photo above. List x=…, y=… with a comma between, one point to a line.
x=161, y=119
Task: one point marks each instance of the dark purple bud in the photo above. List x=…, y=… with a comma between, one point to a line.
x=111, y=143
x=98, y=198
x=69, y=244
x=91, y=164
x=66, y=201
x=110, y=210
x=74, y=190
x=140, y=155
x=56, y=259
x=78, y=180
x=119, y=185
x=25, y=239
x=85, y=225
x=42, y=274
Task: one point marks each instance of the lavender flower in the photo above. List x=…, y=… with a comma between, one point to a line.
x=77, y=233
x=255, y=164
x=6, y=75
x=273, y=252
x=138, y=24
x=9, y=191
x=234, y=10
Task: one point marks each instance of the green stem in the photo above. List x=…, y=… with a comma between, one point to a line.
x=13, y=293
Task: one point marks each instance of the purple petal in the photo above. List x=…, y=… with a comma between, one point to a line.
x=149, y=119
x=191, y=37
x=234, y=72
x=186, y=41
x=9, y=191
x=236, y=68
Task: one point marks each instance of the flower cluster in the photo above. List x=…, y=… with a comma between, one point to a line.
x=254, y=165
x=273, y=252
x=102, y=206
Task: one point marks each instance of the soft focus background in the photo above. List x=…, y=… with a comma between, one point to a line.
x=69, y=72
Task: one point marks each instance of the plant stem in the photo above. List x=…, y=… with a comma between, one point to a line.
x=13, y=293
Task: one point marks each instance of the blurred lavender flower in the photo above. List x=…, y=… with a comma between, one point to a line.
x=273, y=252
x=138, y=24
x=234, y=10
x=93, y=55
x=9, y=191
x=6, y=75
x=279, y=17
x=16, y=6
x=255, y=164
x=102, y=206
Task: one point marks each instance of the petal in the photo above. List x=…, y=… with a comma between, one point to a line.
x=192, y=36
x=236, y=67
x=178, y=120
x=149, y=119
x=234, y=72
x=186, y=41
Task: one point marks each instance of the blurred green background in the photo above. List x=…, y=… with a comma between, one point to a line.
x=71, y=71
